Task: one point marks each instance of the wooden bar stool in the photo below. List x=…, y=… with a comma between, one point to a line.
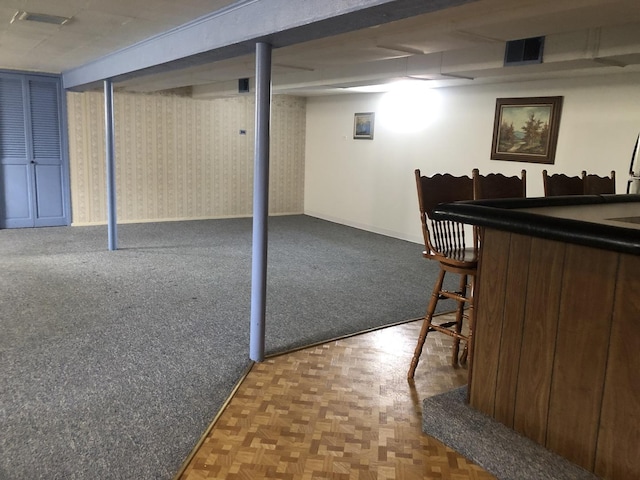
x=446, y=242
x=596, y=185
x=497, y=185
x=561, y=184
x=585, y=184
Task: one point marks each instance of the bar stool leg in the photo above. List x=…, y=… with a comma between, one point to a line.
x=426, y=324
x=472, y=326
x=459, y=317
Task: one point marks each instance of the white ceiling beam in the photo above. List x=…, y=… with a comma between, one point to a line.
x=234, y=30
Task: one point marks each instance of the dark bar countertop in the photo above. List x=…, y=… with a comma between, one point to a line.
x=609, y=222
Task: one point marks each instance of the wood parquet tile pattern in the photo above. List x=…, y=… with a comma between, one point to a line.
x=341, y=410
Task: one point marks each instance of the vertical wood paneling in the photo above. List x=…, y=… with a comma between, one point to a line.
x=576, y=389
x=581, y=353
x=489, y=301
x=617, y=456
x=538, y=339
x=179, y=158
x=512, y=327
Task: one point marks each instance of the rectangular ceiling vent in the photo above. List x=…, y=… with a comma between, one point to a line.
x=39, y=17
x=524, y=52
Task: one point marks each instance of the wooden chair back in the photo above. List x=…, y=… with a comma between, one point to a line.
x=443, y=238
x=561, y=184
x=497, y=185
x=595, y=185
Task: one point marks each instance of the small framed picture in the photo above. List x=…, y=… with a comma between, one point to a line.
x=363, y=126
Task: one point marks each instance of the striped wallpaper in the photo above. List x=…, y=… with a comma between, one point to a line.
x=178, y=158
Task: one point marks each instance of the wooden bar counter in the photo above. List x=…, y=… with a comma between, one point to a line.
x=556, y=354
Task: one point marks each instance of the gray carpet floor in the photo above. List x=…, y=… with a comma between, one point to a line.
x=496, y=448
x=113, y=364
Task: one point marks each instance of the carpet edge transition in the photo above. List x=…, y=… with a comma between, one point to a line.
x=498, y=449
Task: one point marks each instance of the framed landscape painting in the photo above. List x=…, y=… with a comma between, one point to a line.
x=526, y=129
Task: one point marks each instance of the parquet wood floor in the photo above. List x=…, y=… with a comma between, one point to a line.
x=340, y=410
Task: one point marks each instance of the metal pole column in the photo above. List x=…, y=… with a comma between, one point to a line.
x=260, y=202
x=111, y=165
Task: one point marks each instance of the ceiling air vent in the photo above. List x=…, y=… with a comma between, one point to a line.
x=39, y=17
x=523, y=52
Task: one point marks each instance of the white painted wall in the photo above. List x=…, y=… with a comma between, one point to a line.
x=369, y=184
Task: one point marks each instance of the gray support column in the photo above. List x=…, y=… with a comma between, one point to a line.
x=111, y=165
x=260, y=201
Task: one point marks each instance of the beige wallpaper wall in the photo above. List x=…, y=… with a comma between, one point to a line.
x=179, y=158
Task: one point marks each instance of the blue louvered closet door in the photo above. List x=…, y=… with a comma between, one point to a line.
x=32, y=167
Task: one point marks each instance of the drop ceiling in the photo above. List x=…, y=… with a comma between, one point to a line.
x=451, y=46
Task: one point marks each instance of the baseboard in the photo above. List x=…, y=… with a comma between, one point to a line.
x=366, y=227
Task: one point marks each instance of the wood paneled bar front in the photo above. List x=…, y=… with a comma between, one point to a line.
x=556, y=353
